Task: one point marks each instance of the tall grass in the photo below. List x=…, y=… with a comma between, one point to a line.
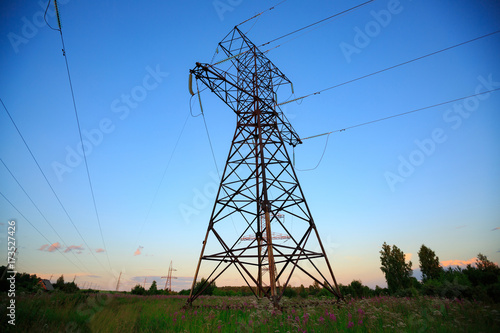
x=128, y=313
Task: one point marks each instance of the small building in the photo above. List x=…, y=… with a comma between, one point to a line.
x=46, y=284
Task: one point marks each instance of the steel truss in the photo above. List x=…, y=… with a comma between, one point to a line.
x=258, y=180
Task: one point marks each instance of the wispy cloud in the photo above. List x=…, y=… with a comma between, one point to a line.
x=54, y=247
x=50, y=248
x=78, y=248
x=138, y=251
x=456, y=262
x=497, y=228
x=99, y=250
x=461, y=226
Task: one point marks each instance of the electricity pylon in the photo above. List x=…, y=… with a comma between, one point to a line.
x=118, y=283
x=169, y=277
x=258, y=180
x=275, y=236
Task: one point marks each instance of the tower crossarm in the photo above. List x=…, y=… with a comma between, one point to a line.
x=223, y=84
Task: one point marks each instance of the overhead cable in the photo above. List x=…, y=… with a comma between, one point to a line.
x=41, y=234
x=318, y=22
x=400, y=114
x=40, y=212
x=47, y=180
x=257, y=15
x=80, y=132
x=392, y=67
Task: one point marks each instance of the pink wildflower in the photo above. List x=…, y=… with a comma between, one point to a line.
x=350, y=324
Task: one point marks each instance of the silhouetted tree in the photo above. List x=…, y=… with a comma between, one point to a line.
x=138, y=290
x=59, y=283
x=208, y=289
x=70, y=287
x=483, y=264
x=153, y=290
x=397, y=272
x=429, y=264
x=314, y=289
x=302, y=291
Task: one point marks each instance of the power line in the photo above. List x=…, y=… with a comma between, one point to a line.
x=290, y=33
x=212, y=148
x=80, y=131
x=47, y=180
x=392, y=67
x=48, y=241
x=163, y=176
x=318, y=22
x=257, y=15
x=400, y=114
x=210, y=143
x=39, y=211
x=320, y=159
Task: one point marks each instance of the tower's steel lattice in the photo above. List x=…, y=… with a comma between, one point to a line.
x=258, y=180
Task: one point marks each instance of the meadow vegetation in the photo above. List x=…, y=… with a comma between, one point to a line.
x=61, y=312
x=446, y=300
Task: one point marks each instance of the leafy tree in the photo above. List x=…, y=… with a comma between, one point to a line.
x=397, y=272
x=184, y=292
x=483, y=264
x=70, y=287
x=209, y=290
x=25, y=282
x=429, y=264
x=138, y=290
x=153, y=290
x=289, y=292
x=302, y=291
x=485, y=273
x=59, y=283
x=314, y=289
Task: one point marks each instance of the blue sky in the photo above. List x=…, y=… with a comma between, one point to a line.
x=426, y=178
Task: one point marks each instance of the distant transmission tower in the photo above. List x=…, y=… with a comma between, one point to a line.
x=118, y=283
x=258, y=181
x=275, y=236
x=169, y=277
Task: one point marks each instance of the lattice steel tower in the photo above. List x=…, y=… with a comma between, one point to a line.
x=258, y=181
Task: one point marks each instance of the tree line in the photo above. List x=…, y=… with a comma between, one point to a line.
x=480, y=281
x=31, y=283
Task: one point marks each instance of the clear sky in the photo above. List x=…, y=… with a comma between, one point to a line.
x=431, y=177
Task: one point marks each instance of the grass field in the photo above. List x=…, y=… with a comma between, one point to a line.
x=59, y=312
